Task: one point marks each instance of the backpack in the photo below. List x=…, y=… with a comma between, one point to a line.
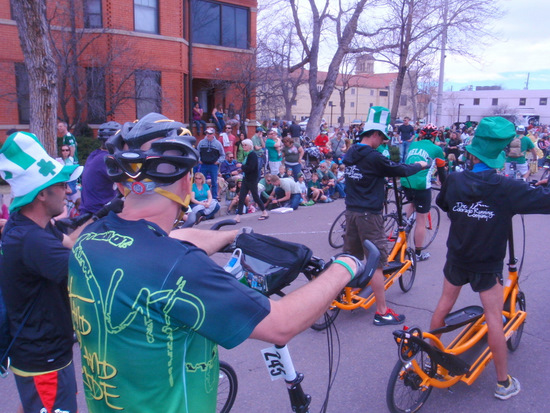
x=514, y=149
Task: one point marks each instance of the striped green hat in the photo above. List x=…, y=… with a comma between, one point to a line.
x=27, y=167
x=378, y=119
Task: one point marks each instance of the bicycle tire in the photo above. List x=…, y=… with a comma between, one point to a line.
x=337, y=231
x=406, y=280
x=227, y=388
x=404, y=393
x=545, y=174
x=432, y=227
x=513, y=342
x=327, y=318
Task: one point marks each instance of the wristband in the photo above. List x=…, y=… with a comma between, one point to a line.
x=346, y=266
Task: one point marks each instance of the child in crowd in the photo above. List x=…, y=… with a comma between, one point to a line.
x=314, y=189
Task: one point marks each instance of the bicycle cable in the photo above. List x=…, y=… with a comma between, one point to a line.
x=332, y=335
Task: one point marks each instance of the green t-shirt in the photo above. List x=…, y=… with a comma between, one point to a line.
x=384, y=150
x=257, y=141
x=526, y=145
x=70, y=140
x=273, y=154
x=149, y=311
x=422, y=150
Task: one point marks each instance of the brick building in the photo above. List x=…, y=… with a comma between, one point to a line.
x=135, y=56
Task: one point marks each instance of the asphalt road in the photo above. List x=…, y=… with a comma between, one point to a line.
x=368, y=353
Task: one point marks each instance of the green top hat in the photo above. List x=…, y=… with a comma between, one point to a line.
x=492, y=135
x=28, y=168
x=378, y=119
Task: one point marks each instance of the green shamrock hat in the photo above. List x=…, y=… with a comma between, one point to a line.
x=27, y=167
x=378, y=119
x=492, y=135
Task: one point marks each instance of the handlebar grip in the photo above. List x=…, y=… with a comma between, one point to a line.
x=223, y=223
x=366, y=271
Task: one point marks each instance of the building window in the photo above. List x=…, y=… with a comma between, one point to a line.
x=372, y=92
x=402, y=100
x=353, y=91
x=383, y=93
x=494, y=102
x=148, y=92
x=146, y=16
x=352, y=104
x=22, y=88
x=92, y=14
x=522, y=101
x=476, y=101
x=543, y=101
x=220, y=24
x=319, y=88
x=95, y=94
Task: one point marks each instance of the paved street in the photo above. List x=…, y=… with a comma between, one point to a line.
x=368, y=353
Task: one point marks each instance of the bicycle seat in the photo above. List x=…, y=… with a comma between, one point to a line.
x=460, y=318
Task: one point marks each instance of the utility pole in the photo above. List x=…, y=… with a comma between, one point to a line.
x=439, y=108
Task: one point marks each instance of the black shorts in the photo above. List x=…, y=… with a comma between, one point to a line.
x=421, y=199
x=478, y=281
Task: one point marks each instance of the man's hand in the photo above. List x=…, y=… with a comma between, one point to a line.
x=423, y=164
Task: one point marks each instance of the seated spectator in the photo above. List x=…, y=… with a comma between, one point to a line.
x=287, y=193
x=265, y=187
x=229, y=168
x=328, y=188
x=197, y=118
x=338, y=183
x=304, y=190
x=201, y=198
x=321, y=142
x=315, y=193
x=231, y=197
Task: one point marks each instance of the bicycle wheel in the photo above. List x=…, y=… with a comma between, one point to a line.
x=404, y=393
x=227, y=388
x=545, y=174
x=327, y=318
x=406, y=280
x=432, y=226
x=515, y=338
x=337, y=231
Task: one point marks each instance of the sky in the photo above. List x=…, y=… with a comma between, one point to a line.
x=522, y=48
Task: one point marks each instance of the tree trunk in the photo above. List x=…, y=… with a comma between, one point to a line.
x=30, y=16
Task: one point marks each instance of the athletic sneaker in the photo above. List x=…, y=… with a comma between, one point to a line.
x=504, y=393
x=390, y=318
x=423, y=256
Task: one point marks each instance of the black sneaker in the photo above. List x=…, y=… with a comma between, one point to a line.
x=390, y=318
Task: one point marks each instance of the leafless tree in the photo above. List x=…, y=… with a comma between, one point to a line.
x=32, y=25
x=318, y=28
x=420, y=26
x=347, y=75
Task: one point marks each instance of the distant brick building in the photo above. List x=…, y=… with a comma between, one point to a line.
x=142, y=56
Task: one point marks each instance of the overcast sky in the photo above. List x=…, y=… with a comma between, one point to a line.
x=522, y=48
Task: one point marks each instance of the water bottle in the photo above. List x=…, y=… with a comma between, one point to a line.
x=234, y=266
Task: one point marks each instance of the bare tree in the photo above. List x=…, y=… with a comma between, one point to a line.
x=347, y=75
x=420, y=27
x=277, y=52
x=316, y=28
x=32, y=26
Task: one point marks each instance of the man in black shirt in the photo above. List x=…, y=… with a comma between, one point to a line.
x=406, y=131
x=480, y=204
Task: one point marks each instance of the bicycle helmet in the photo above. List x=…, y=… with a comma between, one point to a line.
x=170, y=156
x=429, y=131
x=107, y=130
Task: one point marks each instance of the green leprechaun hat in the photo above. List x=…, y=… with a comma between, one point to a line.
x=492, y=135
x=27, y=167
x=378, y=119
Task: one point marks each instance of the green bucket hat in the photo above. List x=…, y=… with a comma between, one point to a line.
x=378, y=119
x=27, y=167
x=492, y=135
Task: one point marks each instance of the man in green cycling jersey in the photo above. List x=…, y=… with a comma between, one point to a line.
x=418, y=187
x=149, y=306
x=480, y=204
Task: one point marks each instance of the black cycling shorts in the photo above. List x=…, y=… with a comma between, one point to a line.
x=421, y=199
x=478, y=281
